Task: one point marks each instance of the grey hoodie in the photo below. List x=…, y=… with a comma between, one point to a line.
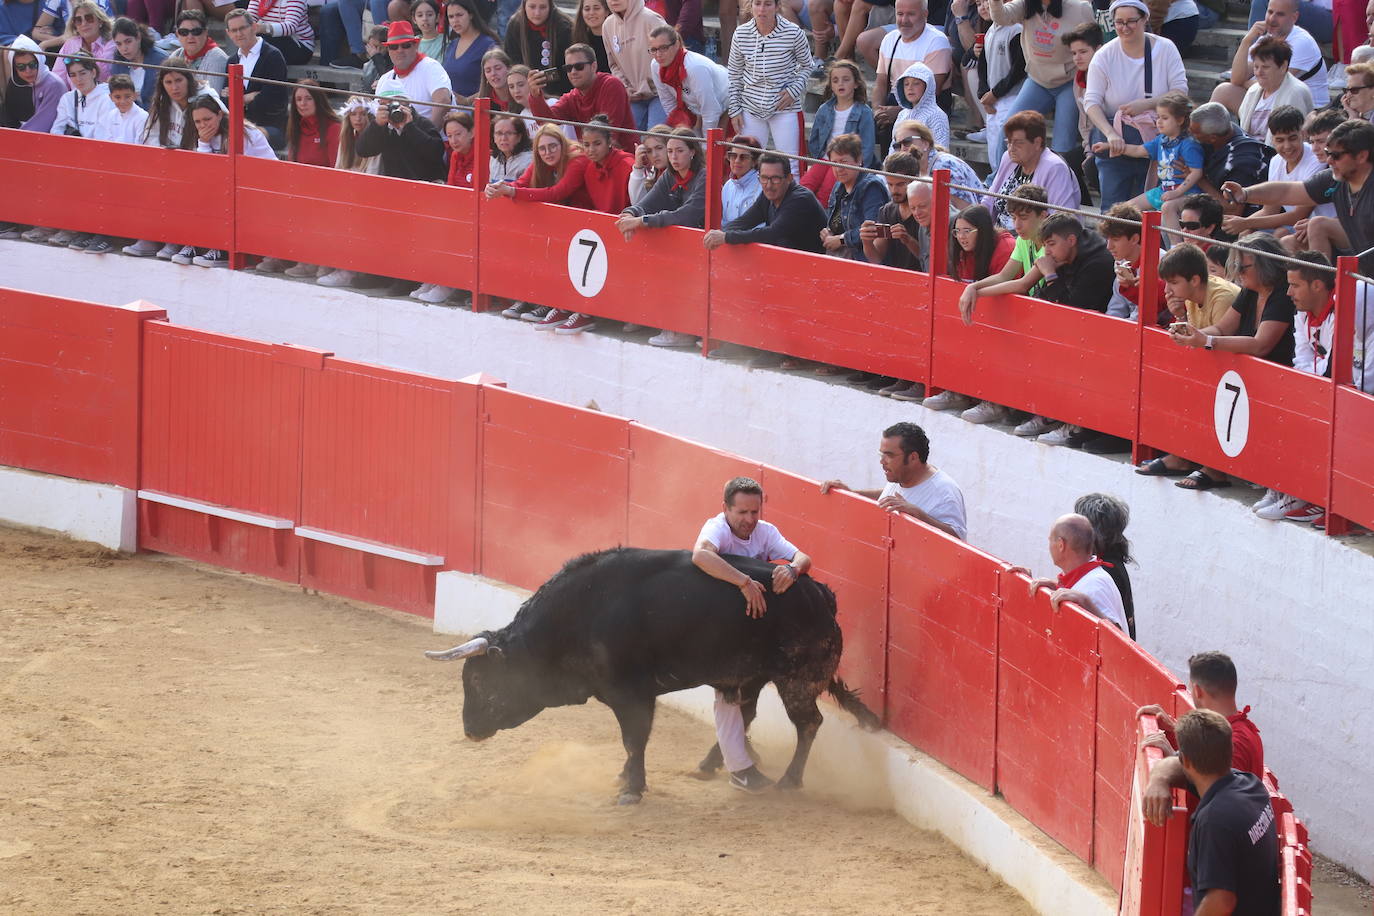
x=31, y=107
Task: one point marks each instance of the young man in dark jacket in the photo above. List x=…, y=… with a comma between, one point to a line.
x=410, y=147
x=1077, y=266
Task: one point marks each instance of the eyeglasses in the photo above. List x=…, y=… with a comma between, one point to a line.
x=1356, y=88
x=1189, y=226
x=966, y=230
x=186, y=33
x=84, y=17
x=573, y=68
x=772, y=179
x=1336, y=154
x=906, y=141
x=733, y=155
x=1127, y=23
x=661, y=48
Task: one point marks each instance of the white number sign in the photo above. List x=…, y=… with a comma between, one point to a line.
x=1231, y=414
x=587, y=263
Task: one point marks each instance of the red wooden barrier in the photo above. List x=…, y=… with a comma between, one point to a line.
x=554, y=485
x=1154, y=862
x=846, y=538
x=942, y=648
x=1046, y=713
x=69, y=374
x=657, y=278
x=817, y=307
x=1352, y=470
x=366, y=223
x=118, y=189
x=221, y=450
x=676, y=485
x=1062, y=362
x=1274, y=421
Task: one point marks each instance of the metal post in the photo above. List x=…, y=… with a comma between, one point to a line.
x=1146, y=283
x=1342, y=366
x=234, y=151
x=481, y=176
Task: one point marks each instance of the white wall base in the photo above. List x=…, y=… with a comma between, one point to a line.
x=896, y=775
x=101, y=513
x=1293, y=608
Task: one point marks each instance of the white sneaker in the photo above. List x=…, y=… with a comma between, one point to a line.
x=1266, y=500
x=143, y=249
x=336, y=278
x=1279, y=507
x=985, y=412
x=185, y=256
x=212, y=257
x=516, y=309
x=37, y=234
x=1058, y=436
x=272, y=266
x=168, y=251
x=947, y=400
x=301, y=271
x=978, y=136
x=671, y=339
x=1036, y=426
x=61, y=238
x=435, y=295
x=420, y=293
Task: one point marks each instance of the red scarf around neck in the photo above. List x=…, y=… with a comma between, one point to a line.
x=1070, y=578
x=681, y=183
x=674, y=75
x=402, y=74
x=209, y=45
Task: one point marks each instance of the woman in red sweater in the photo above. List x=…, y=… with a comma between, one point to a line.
x=312, y=138
x=457, y=130
x=977, y=248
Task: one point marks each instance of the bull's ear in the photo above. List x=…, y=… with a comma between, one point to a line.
x=495, y=652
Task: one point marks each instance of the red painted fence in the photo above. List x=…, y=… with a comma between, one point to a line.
x=363, y=481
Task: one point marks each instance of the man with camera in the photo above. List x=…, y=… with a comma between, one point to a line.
x=414, y=76
x=410, y=145
x=592, y=93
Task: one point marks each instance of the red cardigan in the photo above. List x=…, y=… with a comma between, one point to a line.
x=460, y=167
x=1006, y=243
x=311, y=151
x=571, y=189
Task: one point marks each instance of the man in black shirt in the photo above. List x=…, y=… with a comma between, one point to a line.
x=410, y=148
x=1230, y=157
x=1344, y=183
x=1233, y=847
x=790, y=214
x=1077, y=267
x=1246, y=327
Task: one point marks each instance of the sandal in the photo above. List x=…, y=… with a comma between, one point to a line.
x=1198, y=481
x=1156, y=467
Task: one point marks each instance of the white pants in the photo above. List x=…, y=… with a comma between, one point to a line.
x=730, y=735
x=779, y=132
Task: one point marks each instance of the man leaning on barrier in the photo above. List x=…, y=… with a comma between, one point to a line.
x=786, y=214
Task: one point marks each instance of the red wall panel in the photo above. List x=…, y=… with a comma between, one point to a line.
x=824, y=308
x=1046, y=704
x=1061, y=362
x=1289, y=414
x=675, y=486
x=1353, y=461
x=69, y=376
x=122, y=189
x=942, y=648
x=218, y=541
x=327, y=216
x=554, y=485
x=846, y=538
x=658, y=278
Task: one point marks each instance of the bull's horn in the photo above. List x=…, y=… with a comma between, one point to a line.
x=476, y=646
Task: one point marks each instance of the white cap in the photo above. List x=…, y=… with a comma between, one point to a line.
x=1133, y=4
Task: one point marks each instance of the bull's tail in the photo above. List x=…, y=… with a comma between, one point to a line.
x=849, y=702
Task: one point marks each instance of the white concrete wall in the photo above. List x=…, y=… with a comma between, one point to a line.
x=894, y=775
x=97, y=512
x=1294, y=608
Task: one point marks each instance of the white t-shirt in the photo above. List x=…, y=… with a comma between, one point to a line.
x=839, y=128
x=1308, y=166
x=766, y=543
x=124, y=128
x=1115, y=78
x=895, y=55
x=1306, y=55
x=1098, y=586
x=937, y=496
x=418, y=85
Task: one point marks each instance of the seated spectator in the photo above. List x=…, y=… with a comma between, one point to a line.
x=198, y=52
x=651, y=161
x=1109, y=516
x=264, y=104
x=409, y=147
x=469, y=38
x=211, y=123
x=1201, y=215
x=1260, y=320
x=1076, y=267
x=1295, y=161
x=916, y=94
x=538, y=36
x=312, y=138
x=1026, y=161
x=844, y=111
x=1178, y=157
x=911, y=39
x=1280, y=21
x=424, y=16
x=1082, y=43
x=413, y=76
x=626, y=34
x=138, y=55
x=89, y=31
x=1083, y=578
x=518, y=87
x=1119, y=102
x=768, y=66
x=915, y=138
x=588, y=26
x=285, y=24
x=592, y=93
x=785, y=214
x=677, y=199
x=1123, y=234
x=1344, y=183
x=82, y=109
x=458, y=143
x=1000, y=65
x=357, y=114
x=1229, y=156
x=741, y=186
x=378, y=63
x=32, y=90
x=693, y=90
x=891, y=239
x=125, y=122
x=341, y=30
x=217, y=9
x=511, y=149
x=1316, y=18
x=1357, y=100
x=1027, y=212
x=856, y=199
x=914, y=486
x=1274, y=87
x=977, y=248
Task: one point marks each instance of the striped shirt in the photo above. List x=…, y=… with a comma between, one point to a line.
x=762, y=67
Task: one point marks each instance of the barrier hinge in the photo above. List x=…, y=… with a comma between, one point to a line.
x=486, y=417
x=1096, y=659
x=888, y=541
x=627, y=453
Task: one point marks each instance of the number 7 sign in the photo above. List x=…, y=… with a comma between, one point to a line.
x=587, y=264
x=1231, y=414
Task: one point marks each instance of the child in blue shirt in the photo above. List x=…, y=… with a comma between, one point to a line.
x=1178, y=156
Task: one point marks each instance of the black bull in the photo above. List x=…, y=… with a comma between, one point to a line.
x=626, y=625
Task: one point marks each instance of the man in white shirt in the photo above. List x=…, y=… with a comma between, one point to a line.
x=738, y=531
x=914, y=486
x=913, y=41
x=1281, y=21
x=1082, y=577
x=414, y=76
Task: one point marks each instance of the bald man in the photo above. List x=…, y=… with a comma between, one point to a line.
x=1083, y=578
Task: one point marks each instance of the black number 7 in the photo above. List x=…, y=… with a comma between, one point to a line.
x=1235, y=399
x=591, y=244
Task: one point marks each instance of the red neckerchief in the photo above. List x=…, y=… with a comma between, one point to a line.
x=402, y=74
x=1070, y=578
x=1081, y=78
x=1314, y=327
x=543, y=30
x=209, y=45
x=1243, y=714
x=673, y=75
x=681, y=184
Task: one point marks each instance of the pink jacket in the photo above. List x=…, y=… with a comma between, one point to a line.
x=627, y=46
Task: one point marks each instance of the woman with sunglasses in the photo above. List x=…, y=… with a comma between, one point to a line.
x=89, y=31
x=31, y=91
x=915, y=138
x=538, y=36
x=742, y=186
x=138, y=55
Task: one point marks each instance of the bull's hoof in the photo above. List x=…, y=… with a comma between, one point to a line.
x=629, y=798
x=788, y=784
x=704, y=774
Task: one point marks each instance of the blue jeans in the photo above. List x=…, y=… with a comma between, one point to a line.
x=1122, y=177
x=1315, y=19
x=342, y=20
x=648, y=113
x=505, y=9
x=1060, y=102
x=1206, y=18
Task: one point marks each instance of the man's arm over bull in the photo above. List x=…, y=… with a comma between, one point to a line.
x=708, y=559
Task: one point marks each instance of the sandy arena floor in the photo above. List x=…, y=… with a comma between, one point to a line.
x=178, y=740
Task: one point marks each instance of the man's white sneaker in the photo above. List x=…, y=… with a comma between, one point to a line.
x=143, y=248
x=1036, y=426
x=947, y=400
x=419, y=293
x=1266, y=500
x=185, y=256
x=985, y=412
x=336, y=279
x=1278, y=507
x=435, y=295
x=168, y=251
x=1058, y=436
x=671, y=339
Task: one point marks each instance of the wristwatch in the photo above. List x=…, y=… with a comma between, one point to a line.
x=1207, y=344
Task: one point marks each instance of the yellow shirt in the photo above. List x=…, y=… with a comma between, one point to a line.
x=1220, y=294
